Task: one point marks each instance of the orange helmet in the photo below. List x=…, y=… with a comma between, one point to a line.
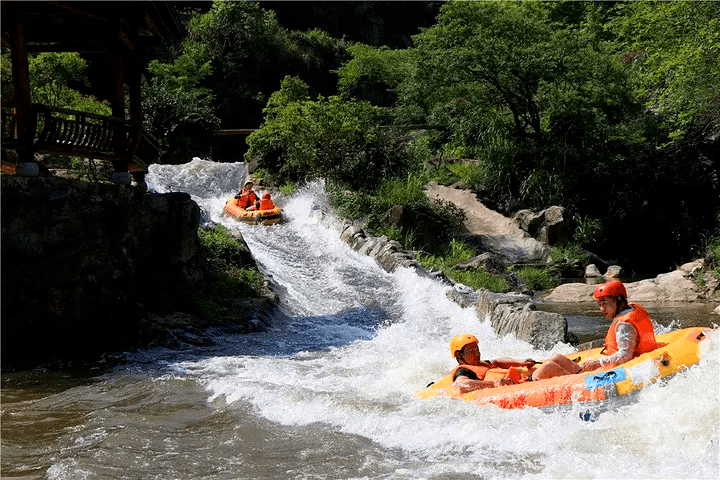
x=459, y=341
x=613, y=288
x=266, y=196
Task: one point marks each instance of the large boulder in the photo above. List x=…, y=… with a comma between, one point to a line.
x=680, y=285
x=516, y=314
x=490, y=230
x=549, y=226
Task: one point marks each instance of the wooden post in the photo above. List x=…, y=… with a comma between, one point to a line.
x=117, y=102
x=21, y=84
x=133, y=81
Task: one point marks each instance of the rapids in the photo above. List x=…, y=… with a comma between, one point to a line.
x=328, y=391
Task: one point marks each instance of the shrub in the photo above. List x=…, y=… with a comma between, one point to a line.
x=330, y=138
x=536, y=278
x=478, y=279
x=469, y=173
x=288, y=188
x=460, y=251
x=229, y=273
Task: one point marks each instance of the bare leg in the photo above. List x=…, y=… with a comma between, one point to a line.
x=556, y=366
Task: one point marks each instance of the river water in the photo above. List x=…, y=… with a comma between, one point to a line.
x=328, y=391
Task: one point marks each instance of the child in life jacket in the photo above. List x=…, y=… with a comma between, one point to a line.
x=247, y=198
x=266, y=202
x=470, y=373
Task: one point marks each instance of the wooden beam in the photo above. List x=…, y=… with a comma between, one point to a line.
x=65, y=6
x=80, y=47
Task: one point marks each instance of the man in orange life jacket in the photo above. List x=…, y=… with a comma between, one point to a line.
x=247, y=198
x=630, y=334
x=470, y=373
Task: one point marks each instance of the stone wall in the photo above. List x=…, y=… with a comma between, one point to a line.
x=82, y=261
x=515, y=313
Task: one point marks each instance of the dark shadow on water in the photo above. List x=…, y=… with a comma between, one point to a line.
x=287, y=336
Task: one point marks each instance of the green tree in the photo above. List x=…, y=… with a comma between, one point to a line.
x=537, y=102
x=177, y=109
x=54, y=80
x=251, y=53
x=673, y=48
x=373, y=74
x=330, y=138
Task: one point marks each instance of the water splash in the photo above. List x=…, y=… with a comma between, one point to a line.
x=357, y=342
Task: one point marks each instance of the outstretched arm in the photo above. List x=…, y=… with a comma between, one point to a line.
x=506, y=362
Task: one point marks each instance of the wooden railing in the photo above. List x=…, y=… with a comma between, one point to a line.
x=81, y=134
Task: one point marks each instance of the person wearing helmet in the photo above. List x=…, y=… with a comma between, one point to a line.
x=247, y=198
x=630, y=334
x=470, y=373
x=266, y=202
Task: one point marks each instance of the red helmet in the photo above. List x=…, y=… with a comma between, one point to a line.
x=266, y=196
x=613, y=288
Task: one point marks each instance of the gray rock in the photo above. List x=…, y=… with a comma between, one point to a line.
x=555, y=230
x=486, y=261
x=591, y=271
x=613, y=271
x=677, y=286
x=515, y=314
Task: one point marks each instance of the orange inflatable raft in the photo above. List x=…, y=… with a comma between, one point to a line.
x=266, y=217
x=676, y=351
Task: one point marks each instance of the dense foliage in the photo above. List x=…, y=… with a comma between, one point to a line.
x=234, y=58
x=610, y=109
x=332, y=138
x=55, y=80
x=229, y=274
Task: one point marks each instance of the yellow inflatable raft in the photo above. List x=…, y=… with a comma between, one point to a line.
x=676, y=351
x=266, y=217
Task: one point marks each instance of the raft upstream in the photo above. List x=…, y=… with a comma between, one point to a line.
x=253, y=217
x=676, y=351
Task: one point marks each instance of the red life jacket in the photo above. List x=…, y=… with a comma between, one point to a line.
x=266, y=204
x=639, y=318
x=246, y=200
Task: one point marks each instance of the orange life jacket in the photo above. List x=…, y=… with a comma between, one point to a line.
x=246, y=200
x=266, y=204
x=478, y=370
x=639, y=318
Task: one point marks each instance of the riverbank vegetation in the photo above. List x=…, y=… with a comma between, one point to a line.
x=575, y=104
x=609, y=109
x=229, y=271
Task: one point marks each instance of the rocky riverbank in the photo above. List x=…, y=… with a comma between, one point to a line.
x=516, y=313
x=93, y=268
x=90, y=268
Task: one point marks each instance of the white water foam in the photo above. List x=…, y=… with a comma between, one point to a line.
x=360, y=378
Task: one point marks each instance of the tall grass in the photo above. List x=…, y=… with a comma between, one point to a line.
x=460, y=251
